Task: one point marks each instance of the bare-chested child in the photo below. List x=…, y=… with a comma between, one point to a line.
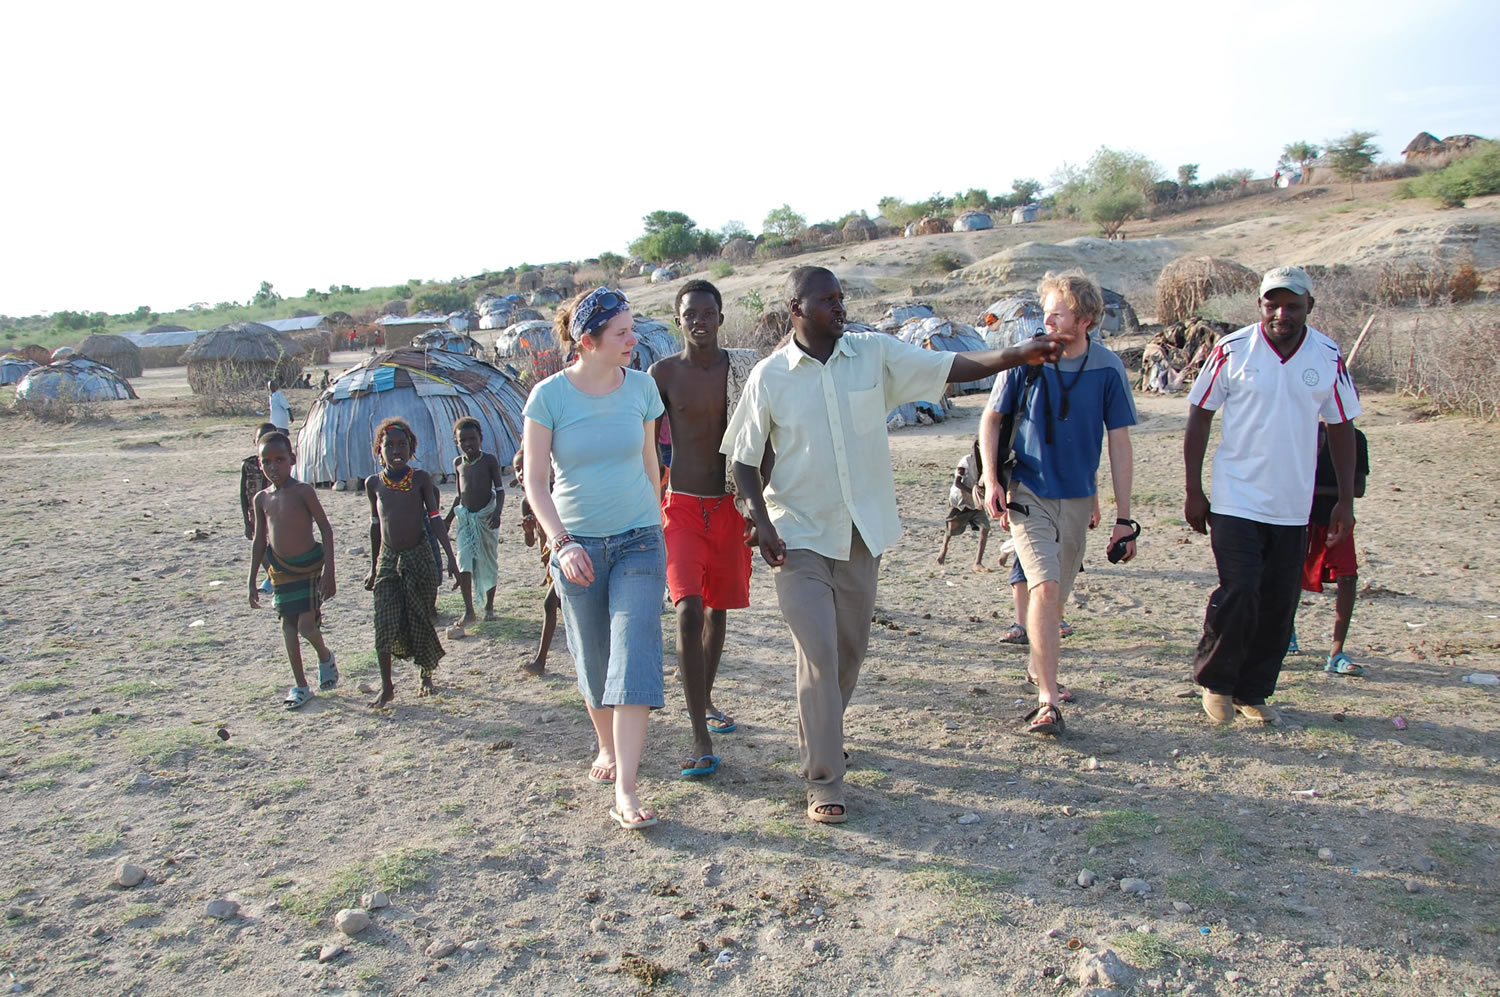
x=708, y=561
x=300, y=568
x=404, y=574
x=481, y=496
x=534, y=532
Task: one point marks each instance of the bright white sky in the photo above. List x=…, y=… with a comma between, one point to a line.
x=165, y=153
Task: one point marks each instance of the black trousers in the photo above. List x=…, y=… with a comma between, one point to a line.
x=1249, y=619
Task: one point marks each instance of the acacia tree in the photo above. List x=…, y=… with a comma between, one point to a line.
x=1110, y=189
x=1025, y=190
x=1351, y=155
x=1187, y=174
x=784, y=222
x=668, y=234
x=1301, y=153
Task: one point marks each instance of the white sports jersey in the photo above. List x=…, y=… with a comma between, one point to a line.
x=1268, y=454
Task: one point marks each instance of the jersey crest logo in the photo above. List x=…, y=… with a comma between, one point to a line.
x=1310, y=377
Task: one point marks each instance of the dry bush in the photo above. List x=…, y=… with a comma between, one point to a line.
x=751, y=331
x=1185, y=284
x=1451, y=357
x=1428, y=282
x=1392, y=171
x=228, y=389
x=68, y=407
x=1235, y=310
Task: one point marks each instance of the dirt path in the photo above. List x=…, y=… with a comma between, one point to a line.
x=125, y=647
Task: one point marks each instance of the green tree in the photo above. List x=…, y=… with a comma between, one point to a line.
x=663, y=245
x=1300, y=153
x=1112, y=207
x=1111, y=188
x=974, y=197
x=1025, y=190
x=735, y=230
x=709, y=243
x=266, y=295
x=1351, y=155
x=1187, y=174
x=659, y=221
x=611, y=263
x=785, y=222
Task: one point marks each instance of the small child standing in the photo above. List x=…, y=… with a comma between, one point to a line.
x=551, y=604
x=404, y=574
x=1337, y=564
x=477, y=506
x=965, y=508
x=300, y=568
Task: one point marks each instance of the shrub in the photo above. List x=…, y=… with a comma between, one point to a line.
x=784, y=222
x=943, y=263
x=1474, y=175
x=1452, y=360
x=721, y=269
x=774, y=247
x=1238, y=309
x=441, y=299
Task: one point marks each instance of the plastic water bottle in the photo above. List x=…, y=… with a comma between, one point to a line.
x=1478, y=678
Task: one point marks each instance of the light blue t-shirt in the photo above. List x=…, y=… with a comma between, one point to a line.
x=600, y=487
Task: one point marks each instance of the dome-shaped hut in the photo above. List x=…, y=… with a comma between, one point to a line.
x=860, y=229
x=73, y=379
x=653, y=342
x=113, y=351
x=61, y=353
x=1186, y=283
x=1012, y=320
x=973, y=221
x=937, y=334
x=544, y=296
x=448, y=339
x=37, y=354
x=13, y=367
x=530, y=348
x=241, y=355
x=429, y=390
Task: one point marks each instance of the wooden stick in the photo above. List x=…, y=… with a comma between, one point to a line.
x=1354, y=352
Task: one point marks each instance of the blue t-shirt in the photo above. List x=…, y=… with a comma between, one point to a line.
x=600, y=487
x=1098, y=398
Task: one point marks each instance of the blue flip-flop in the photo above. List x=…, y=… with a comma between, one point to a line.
x=726, y=725
x=328, y=674
x=703, y=765
x=1339, y=664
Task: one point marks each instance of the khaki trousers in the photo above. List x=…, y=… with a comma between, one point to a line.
x=827, y=604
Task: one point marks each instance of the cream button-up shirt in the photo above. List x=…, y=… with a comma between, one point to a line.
x=826, y=424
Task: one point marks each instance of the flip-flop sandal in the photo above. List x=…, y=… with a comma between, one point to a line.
x=297, y=697
x=1064, y=694
x=1339, y=664
x=600, y=780
x=726, y=725
x=813, y=813
x=702, y=765
x=1045, y=719
x=1014, y=634
x=1064, y=629
x=633, y=825
x=328, y=674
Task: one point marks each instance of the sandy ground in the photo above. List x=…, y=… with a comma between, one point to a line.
x=143, y=725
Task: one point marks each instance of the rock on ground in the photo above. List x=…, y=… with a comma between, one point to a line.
x=1103, y=968
x=128, y=875
x=351, y=920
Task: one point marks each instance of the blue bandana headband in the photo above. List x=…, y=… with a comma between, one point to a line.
x=595, y=310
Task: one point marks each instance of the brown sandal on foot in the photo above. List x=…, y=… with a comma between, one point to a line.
x=1045, y=719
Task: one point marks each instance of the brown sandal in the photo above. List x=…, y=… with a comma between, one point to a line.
x=815, y=811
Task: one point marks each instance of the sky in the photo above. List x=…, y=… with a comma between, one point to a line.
x=168, y=153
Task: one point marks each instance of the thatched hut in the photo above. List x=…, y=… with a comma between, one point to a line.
x=113, y=351
x=973, y=221
x=738, y=250
x=1425, y=146
x=860, y=229
x=928, y=225
x=396, y=306
x=1186, y=283
x=37, y=354
x=13, y=367
x=316, y=343
x=529, y=281
x=73, y=379
x=241, y=355
x=429, y=389
x=543, y=296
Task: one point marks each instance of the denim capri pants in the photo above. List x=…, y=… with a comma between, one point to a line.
x=614, y=625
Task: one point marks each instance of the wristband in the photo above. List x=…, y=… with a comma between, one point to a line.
x=1122, y=521
x=434, y=515
x=562, y=540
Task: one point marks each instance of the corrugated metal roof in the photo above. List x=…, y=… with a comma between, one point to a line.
x=184, y=338
x=421, y=318
x=293, y=324
x=429, y=389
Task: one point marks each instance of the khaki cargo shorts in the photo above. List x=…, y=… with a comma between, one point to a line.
x=1050, y=537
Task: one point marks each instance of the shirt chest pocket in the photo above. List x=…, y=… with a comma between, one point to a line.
x=867, y=410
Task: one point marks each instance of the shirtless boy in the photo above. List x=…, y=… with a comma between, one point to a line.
x=708, y=562
x=551, y=604
x=481, y=496
x=403, y=575
x=300, y=568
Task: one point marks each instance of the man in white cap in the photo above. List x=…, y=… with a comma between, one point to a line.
x=1273, y=380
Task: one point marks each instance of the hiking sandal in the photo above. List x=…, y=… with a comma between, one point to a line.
x=1340, y=664
x=297, y=697
x=1014, y=634
x=1045, y=719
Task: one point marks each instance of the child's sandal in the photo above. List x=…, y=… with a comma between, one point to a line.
x=328, y=674
x=297, y=697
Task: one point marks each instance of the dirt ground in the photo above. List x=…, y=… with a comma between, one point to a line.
x=143, y=725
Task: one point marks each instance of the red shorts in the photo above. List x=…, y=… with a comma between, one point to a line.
x=706, y=552
x=1324, y=563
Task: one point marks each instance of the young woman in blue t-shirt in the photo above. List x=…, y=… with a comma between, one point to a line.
x=591, y=425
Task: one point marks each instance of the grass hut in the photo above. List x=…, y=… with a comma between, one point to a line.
x=316, y=343
x=429, y=389
x=240, y=356
x=738, y=250
x=860, y=229
x=37, y=354
x=113, y=351
x=70, y=381
x=13, y=367
x=1186, y=283
x=653, y=342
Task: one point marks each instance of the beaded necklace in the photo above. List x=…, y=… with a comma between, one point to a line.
x=402, y=484
x=469, y=462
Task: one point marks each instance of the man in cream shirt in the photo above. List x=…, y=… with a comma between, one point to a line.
x=829, y=511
